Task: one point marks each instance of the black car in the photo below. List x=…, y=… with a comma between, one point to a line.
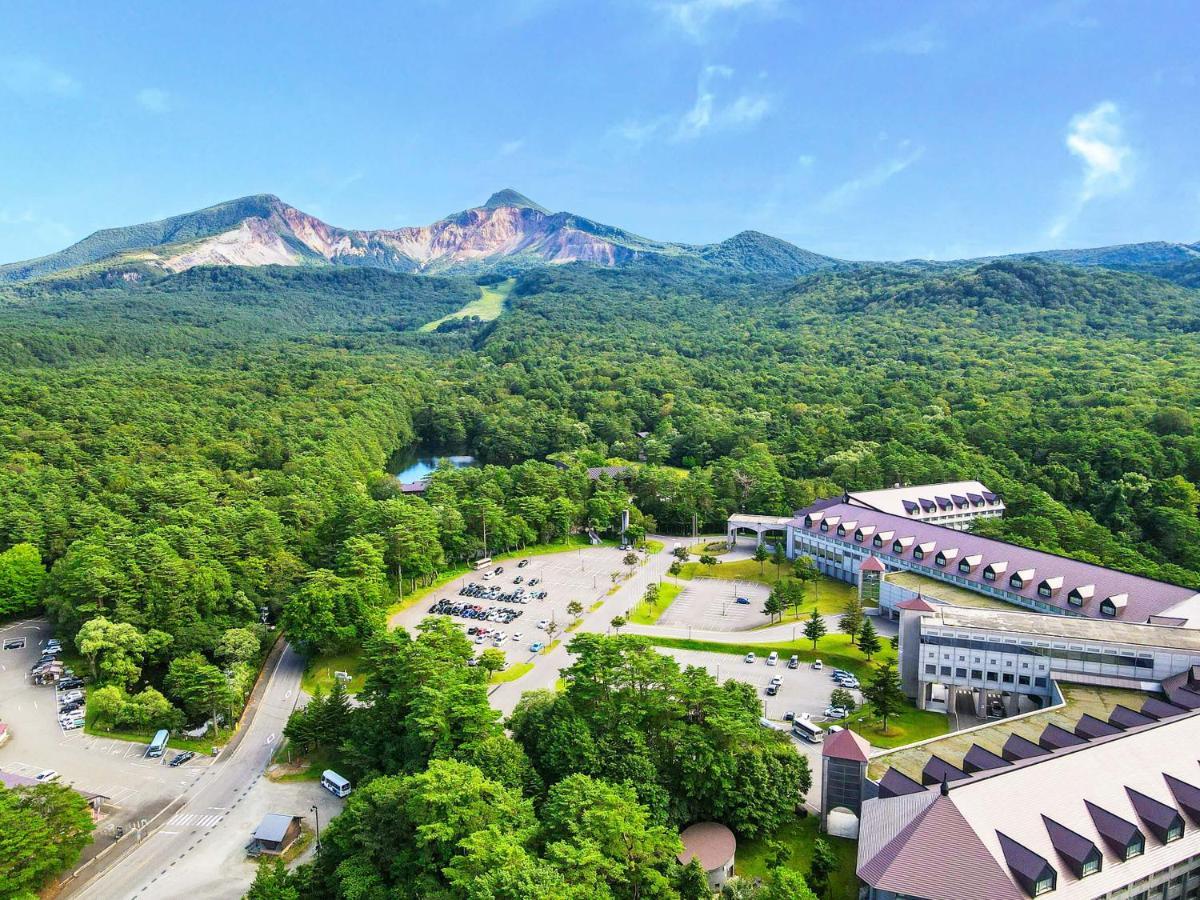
x=522, y=564
x=68, y=684
x=499, y=570
x=180, y=758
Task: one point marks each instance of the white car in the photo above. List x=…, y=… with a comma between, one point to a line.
x=517, y=636
x=46, y=775
x=750, y=657
x=818, y=665
x=68, y=696
x=500, y=637
x=543, y=623
x=835, y=712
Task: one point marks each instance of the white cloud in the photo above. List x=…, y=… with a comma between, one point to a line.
x=1097, y=138
x=915, y=42
x=50, y=232
x=154, y=100
x=31, y=76
x=712, y=110
x=508, y=148
x=694, y=16
x=850, y=190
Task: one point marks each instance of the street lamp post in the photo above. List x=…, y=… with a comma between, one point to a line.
x=317, y=814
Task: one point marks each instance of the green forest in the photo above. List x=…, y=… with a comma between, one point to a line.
x=186, y=462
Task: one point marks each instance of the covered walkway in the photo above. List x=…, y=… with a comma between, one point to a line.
x=759, y=525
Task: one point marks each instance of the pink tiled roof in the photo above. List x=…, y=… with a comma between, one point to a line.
x=965, y=869
x=918, y=604
x=872, y=564
x=846, y=745
x=1141, y=597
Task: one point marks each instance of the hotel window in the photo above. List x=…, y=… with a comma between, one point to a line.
x=989, y=575
x=930, y=670
x=964, y=567
x=991, y=676
x=1023, y=679
x=1174, y=833
x=1043, y=885
x=918, y=553
x=977, y=674
x=946, y=671
x=1090, y=867
x=1007, y=679
x=877, y=541
x=960, y=673
x=1136, y=847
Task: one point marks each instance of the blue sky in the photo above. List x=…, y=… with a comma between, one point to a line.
x=864, y=130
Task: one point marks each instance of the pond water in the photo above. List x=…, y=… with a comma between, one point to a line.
x=413, y=465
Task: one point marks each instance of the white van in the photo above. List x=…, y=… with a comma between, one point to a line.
x=807, y=730
x=773, y=658
x=335, y=783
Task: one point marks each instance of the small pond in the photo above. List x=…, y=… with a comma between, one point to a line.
x=416, y=463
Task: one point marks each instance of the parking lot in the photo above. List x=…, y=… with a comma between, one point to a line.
x=710, y=604
x=584, y=574
x=804, y=690
x=135, y=787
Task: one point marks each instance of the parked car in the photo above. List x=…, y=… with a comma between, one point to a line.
x=794, y=663
x=777, y=681
x=789, y=716
x=835, y=712
x=773, y=658
x=536, y=647
x=750, y=657
x=543, y=623
x=68, y=696
x=73, y=724
x=180, y=758
x=522, y=564
x=817, y=664
x=772, y=689
x=516, y=636
x=46, y=775
x=744, y=601
x=499, y=570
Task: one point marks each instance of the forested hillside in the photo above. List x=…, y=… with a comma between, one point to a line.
x=259, y=403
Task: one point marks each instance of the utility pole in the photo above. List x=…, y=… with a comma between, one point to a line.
x=317, y=813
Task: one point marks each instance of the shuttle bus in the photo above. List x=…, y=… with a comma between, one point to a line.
x=807, y=730
x=484, y=563
x=335, y=783
x=158, y=745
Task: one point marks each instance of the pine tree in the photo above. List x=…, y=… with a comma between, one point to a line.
x=815, y=628
x=885, y=693
x=852, y=617
x=868, y=639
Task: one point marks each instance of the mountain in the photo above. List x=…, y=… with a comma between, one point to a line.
x=508, y=233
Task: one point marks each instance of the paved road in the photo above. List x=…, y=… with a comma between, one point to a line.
x=188, y=854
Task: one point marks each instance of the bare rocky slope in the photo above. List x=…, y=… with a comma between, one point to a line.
x=509, y=231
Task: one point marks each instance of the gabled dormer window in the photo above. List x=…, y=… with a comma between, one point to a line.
x=992, y=570
x=841, y=531
x=964, y=567
x=858, y=536
x=824, y=526
x=877, y=542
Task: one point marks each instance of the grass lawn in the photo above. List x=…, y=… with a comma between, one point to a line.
x=202, y=746
x=799, y=837
x=512, y=673
x=645, y=614
x=828, y=595
x=909, y=726
x=302, y=768
x=319, y=672
x=833, y=649
x=652, y=547
x=595, y=606
x=488, y=307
